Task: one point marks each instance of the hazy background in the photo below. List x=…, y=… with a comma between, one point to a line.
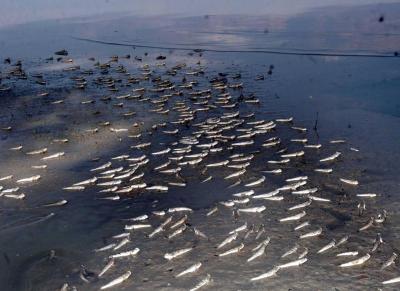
x=23, y=11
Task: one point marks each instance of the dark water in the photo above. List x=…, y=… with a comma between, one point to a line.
x=353, y=98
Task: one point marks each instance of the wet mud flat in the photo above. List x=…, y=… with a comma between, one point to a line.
x=256, y=145
x=160, y=137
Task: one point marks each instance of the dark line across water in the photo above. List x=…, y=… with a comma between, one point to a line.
x=277, y=52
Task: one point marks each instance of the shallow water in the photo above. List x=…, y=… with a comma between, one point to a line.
x=355, y=98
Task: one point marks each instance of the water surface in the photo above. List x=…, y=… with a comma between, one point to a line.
x=352, y=98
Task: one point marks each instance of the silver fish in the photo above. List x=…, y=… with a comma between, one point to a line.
x=312, y=233
x=212, y=211
x=39, y=167
x=268, y=274
x=239, y=229
x=348, y=254
x=266, y=195
x=392, y=281
x=368, y=225
x=122, y=243
x=255, y=183
x=292, y=155
x=37, y=152
x=349, y=182
x=179, y=209
x=166, y=222
x=241, y=201
x=159, y=213
x=305, y=192
x=303, y=254
x=15, y=196
x=117, y=281
x=139, y=218
x=112, y=189
x=121, y=235
x=294, y=217
x=171, y=171
x=207, y=179
x=260, y=232
x=9, y=190
x=110, y=183
x=54, y=156
x=199, y=233
x=295, y=179
x=177, y=232
x=6, y=178
x=284, y=120
x=263, y=243
x=17, y=148
x=133, y=252
x=327, y=247
x=302, y=225
x=342, y=240
x=275, y=198
x=232, y=251
x=157, y=188
x=293, y=263
x=162, y=152
x=283, y=161
x=367, y=195
x=86, y=182
x=228, y=240
x=179, y=222
x=155, y=231
x=137, y=159
x=244, y=193
x=28, y=180
x=112, y=171
x=276, y=171
x=291, y=251
x=235, y=184
x=106, y=268
x=301, y=205
x=356, y=262
x=390, y=261
x=218, y=164
x=258, y=253
x=323, y=170
x=105, y=248
x=236, y=174
x=170, y=256
x=337, y=141
x=293, y=186
x=58, y=203
x=189, y=270
x=102, y=167
x=252, y=209
x=162, y=166
x=331, y=157
x=320, y=199
x=137, y=226
x=202, y=283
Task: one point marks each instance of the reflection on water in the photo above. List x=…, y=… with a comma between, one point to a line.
x=356, y=100
x=24, y=11
x=332, y=30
